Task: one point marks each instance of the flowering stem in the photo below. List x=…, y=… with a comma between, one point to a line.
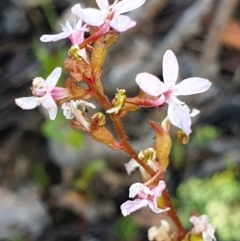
x=173, y=214
x=127, y=148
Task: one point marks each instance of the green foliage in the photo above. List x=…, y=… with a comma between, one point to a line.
x=60, y=131
x=16, y=237
x=177, y=154
x=203, y=136
x=218, y=197
x=88, y=172
x=126, y=228
x=39, y=175
x=199, y=139
x=49, y=61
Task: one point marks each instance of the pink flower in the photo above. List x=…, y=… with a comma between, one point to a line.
x=145, y=197
x=201, y=225
x=45, y=93
x=75, y=34
x=109, y=15
x=167, y=91
x=70, y=111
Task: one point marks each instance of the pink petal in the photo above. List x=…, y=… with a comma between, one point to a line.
x=150, y=84
x=59, y=93
x=192, y=86
x=102, y=4
x=137, y=188
x=121, y=23
x=179, y=117
x=90, y=16
x=157, y=191
x=54, y=37
x=50, y=105
x=28, y=103
x=131, y=206
x=53, y=78
x=170, y=68
x=128, y=5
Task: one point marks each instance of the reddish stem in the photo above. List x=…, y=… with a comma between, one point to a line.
x=173, y=214
x=104, y=102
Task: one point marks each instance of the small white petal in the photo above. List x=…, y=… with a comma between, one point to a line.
x=114, y=110
x=128, y=5
x=170, y=68
x=79, y=25
x=150, y=84
x=138, y=187
x=192, y=86
x=54, y=37
x=53, y=78
x=68, y=26
x=28, y=103
x=179, y=117
x=83, y=103
x=121, y=23
x=131, y=206
x=131, y=166
x=90, y=16
x=49, y=103
x=77, y=10
x=194, y=112
x=160, y=187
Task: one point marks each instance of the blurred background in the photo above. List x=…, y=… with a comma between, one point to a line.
x=56, y=184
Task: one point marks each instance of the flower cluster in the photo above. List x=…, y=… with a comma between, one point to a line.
x=84, y=66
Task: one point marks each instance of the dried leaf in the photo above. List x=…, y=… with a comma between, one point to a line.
x=163, y=144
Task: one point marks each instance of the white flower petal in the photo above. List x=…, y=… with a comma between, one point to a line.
x=131, y=166
x=122, y=23
x=53, y=78
x=194, y=112
x=128, y=5
x=90, y=16
x=49, y=103
x=132, y=206
x=170, y=68
x=102, y=4
x=79, y=25
x=160, y=187
x=150, y=84
x=85, y=103
x=28, y=103
x=192, y=86
x=54, y=37
x=68, y=27
x=179, y=117
x=138, y=187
